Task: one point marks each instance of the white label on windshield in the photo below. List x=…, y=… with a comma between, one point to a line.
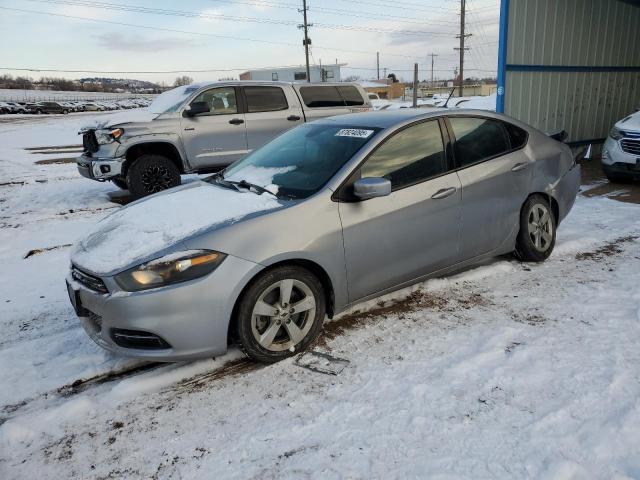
x=354, y=132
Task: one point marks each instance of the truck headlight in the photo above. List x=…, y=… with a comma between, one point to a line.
x=108, y=135
x=616, y=133
x=173, y=268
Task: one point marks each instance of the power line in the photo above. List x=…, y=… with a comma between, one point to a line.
x=203, y=34
x=272, y=21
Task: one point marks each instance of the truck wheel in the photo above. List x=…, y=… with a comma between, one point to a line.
x=120, y=183
x=150, y=174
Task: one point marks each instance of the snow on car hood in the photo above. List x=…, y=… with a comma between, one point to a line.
x=632, y=122
x=127, y=116
x=136, y=232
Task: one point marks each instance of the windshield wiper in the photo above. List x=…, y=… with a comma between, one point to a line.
x=248, y=186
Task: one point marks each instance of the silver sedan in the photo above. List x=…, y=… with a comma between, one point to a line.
x=325, y=216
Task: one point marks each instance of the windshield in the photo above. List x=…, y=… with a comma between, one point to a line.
x=299, y=162
x=171, y=100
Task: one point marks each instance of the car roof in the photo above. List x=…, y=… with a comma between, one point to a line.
x=392, y=118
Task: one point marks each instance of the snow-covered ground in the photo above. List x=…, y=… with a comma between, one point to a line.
x=507, y=370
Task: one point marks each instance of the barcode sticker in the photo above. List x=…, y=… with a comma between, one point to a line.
x=354, y=132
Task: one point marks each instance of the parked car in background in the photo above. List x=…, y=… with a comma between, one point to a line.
x=12, y=107
x=204, y=127
x=621, y=150
x=327, y=215
x=93, y=107
x=49, y=108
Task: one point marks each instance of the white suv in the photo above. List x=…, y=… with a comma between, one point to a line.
x=621, y=151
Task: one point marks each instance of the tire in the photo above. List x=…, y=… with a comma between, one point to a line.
x=120, y=183
x=151, y=174
x=537, y=235
x=276, y=333
x=64, y=112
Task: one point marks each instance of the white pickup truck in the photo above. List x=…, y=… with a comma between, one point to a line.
x=204, y=127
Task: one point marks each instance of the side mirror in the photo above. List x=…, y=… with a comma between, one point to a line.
x=371, y=187
x=196, y=108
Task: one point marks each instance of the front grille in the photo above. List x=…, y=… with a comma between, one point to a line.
x=89, y=141
x=631, y=146
x=89, y=281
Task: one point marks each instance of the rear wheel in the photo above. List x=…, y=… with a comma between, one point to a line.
x=617, y=178
x=537, y=235
x=151, y=174
x=280, y=314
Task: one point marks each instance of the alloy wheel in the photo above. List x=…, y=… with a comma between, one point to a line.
x=540, y=227
x=156, y=178
x=283, y=315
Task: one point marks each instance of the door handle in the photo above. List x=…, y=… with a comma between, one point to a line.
x=189, y=129
x=293, y=118
x=236, y=121
x=443, y=193
x=519, y=166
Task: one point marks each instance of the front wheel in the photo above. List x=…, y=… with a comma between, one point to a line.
x=151, y=174
x=537, y=235
x=280, y=314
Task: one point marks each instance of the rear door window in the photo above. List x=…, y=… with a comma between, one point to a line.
x=411, y=156
x=320, y=96
x=265, y=99
x=478, y=139
x=517, y=135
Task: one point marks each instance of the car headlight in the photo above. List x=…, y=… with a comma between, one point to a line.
x=173, y=268
x=616, y=133
x=108, y=135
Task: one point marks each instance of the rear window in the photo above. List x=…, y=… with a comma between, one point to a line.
x=350, y=95
x=317, y=97
x=265, y=99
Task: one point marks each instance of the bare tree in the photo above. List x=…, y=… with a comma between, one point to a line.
x=184, y=80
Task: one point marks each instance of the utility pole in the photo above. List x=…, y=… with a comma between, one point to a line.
x=433, y=55
x=415, y=85
x=307, y=41
x=462, y=36
x=378, y=64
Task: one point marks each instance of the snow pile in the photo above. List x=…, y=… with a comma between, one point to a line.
x=120, y=118
x=151, y=225
x=261, y=176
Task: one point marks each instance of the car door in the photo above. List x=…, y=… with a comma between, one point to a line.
x=495, y=177
x=414, y=230
x=217, y=137
x=269, y=112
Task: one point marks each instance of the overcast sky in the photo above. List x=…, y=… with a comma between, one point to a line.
x=217, y=35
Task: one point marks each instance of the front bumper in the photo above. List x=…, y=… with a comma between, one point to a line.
x=97, y=168
x=191, y=317
x=615, y=161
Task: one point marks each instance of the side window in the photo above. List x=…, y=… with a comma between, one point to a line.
x=316, y=97
x=221, y=101
x=517, y=136
x=265, y=99
x=351, y=95
x=410, y=156
x=478, y=139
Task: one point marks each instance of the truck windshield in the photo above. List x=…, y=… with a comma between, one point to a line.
x=171, y=100
x=299, y=162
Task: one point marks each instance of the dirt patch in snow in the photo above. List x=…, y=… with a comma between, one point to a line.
x=608, y=249
x=55, y=161
x=38, y=251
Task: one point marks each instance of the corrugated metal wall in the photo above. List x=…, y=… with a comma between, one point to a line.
x=572, y=64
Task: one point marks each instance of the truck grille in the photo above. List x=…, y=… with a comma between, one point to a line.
x=89, y=281
x=631, y=146
x=89, y=141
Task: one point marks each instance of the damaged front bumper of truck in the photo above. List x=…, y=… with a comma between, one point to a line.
x=99, y=168
x=98, y=161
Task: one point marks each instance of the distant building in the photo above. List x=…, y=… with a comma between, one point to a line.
x=383, y=88
x=329, y=73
